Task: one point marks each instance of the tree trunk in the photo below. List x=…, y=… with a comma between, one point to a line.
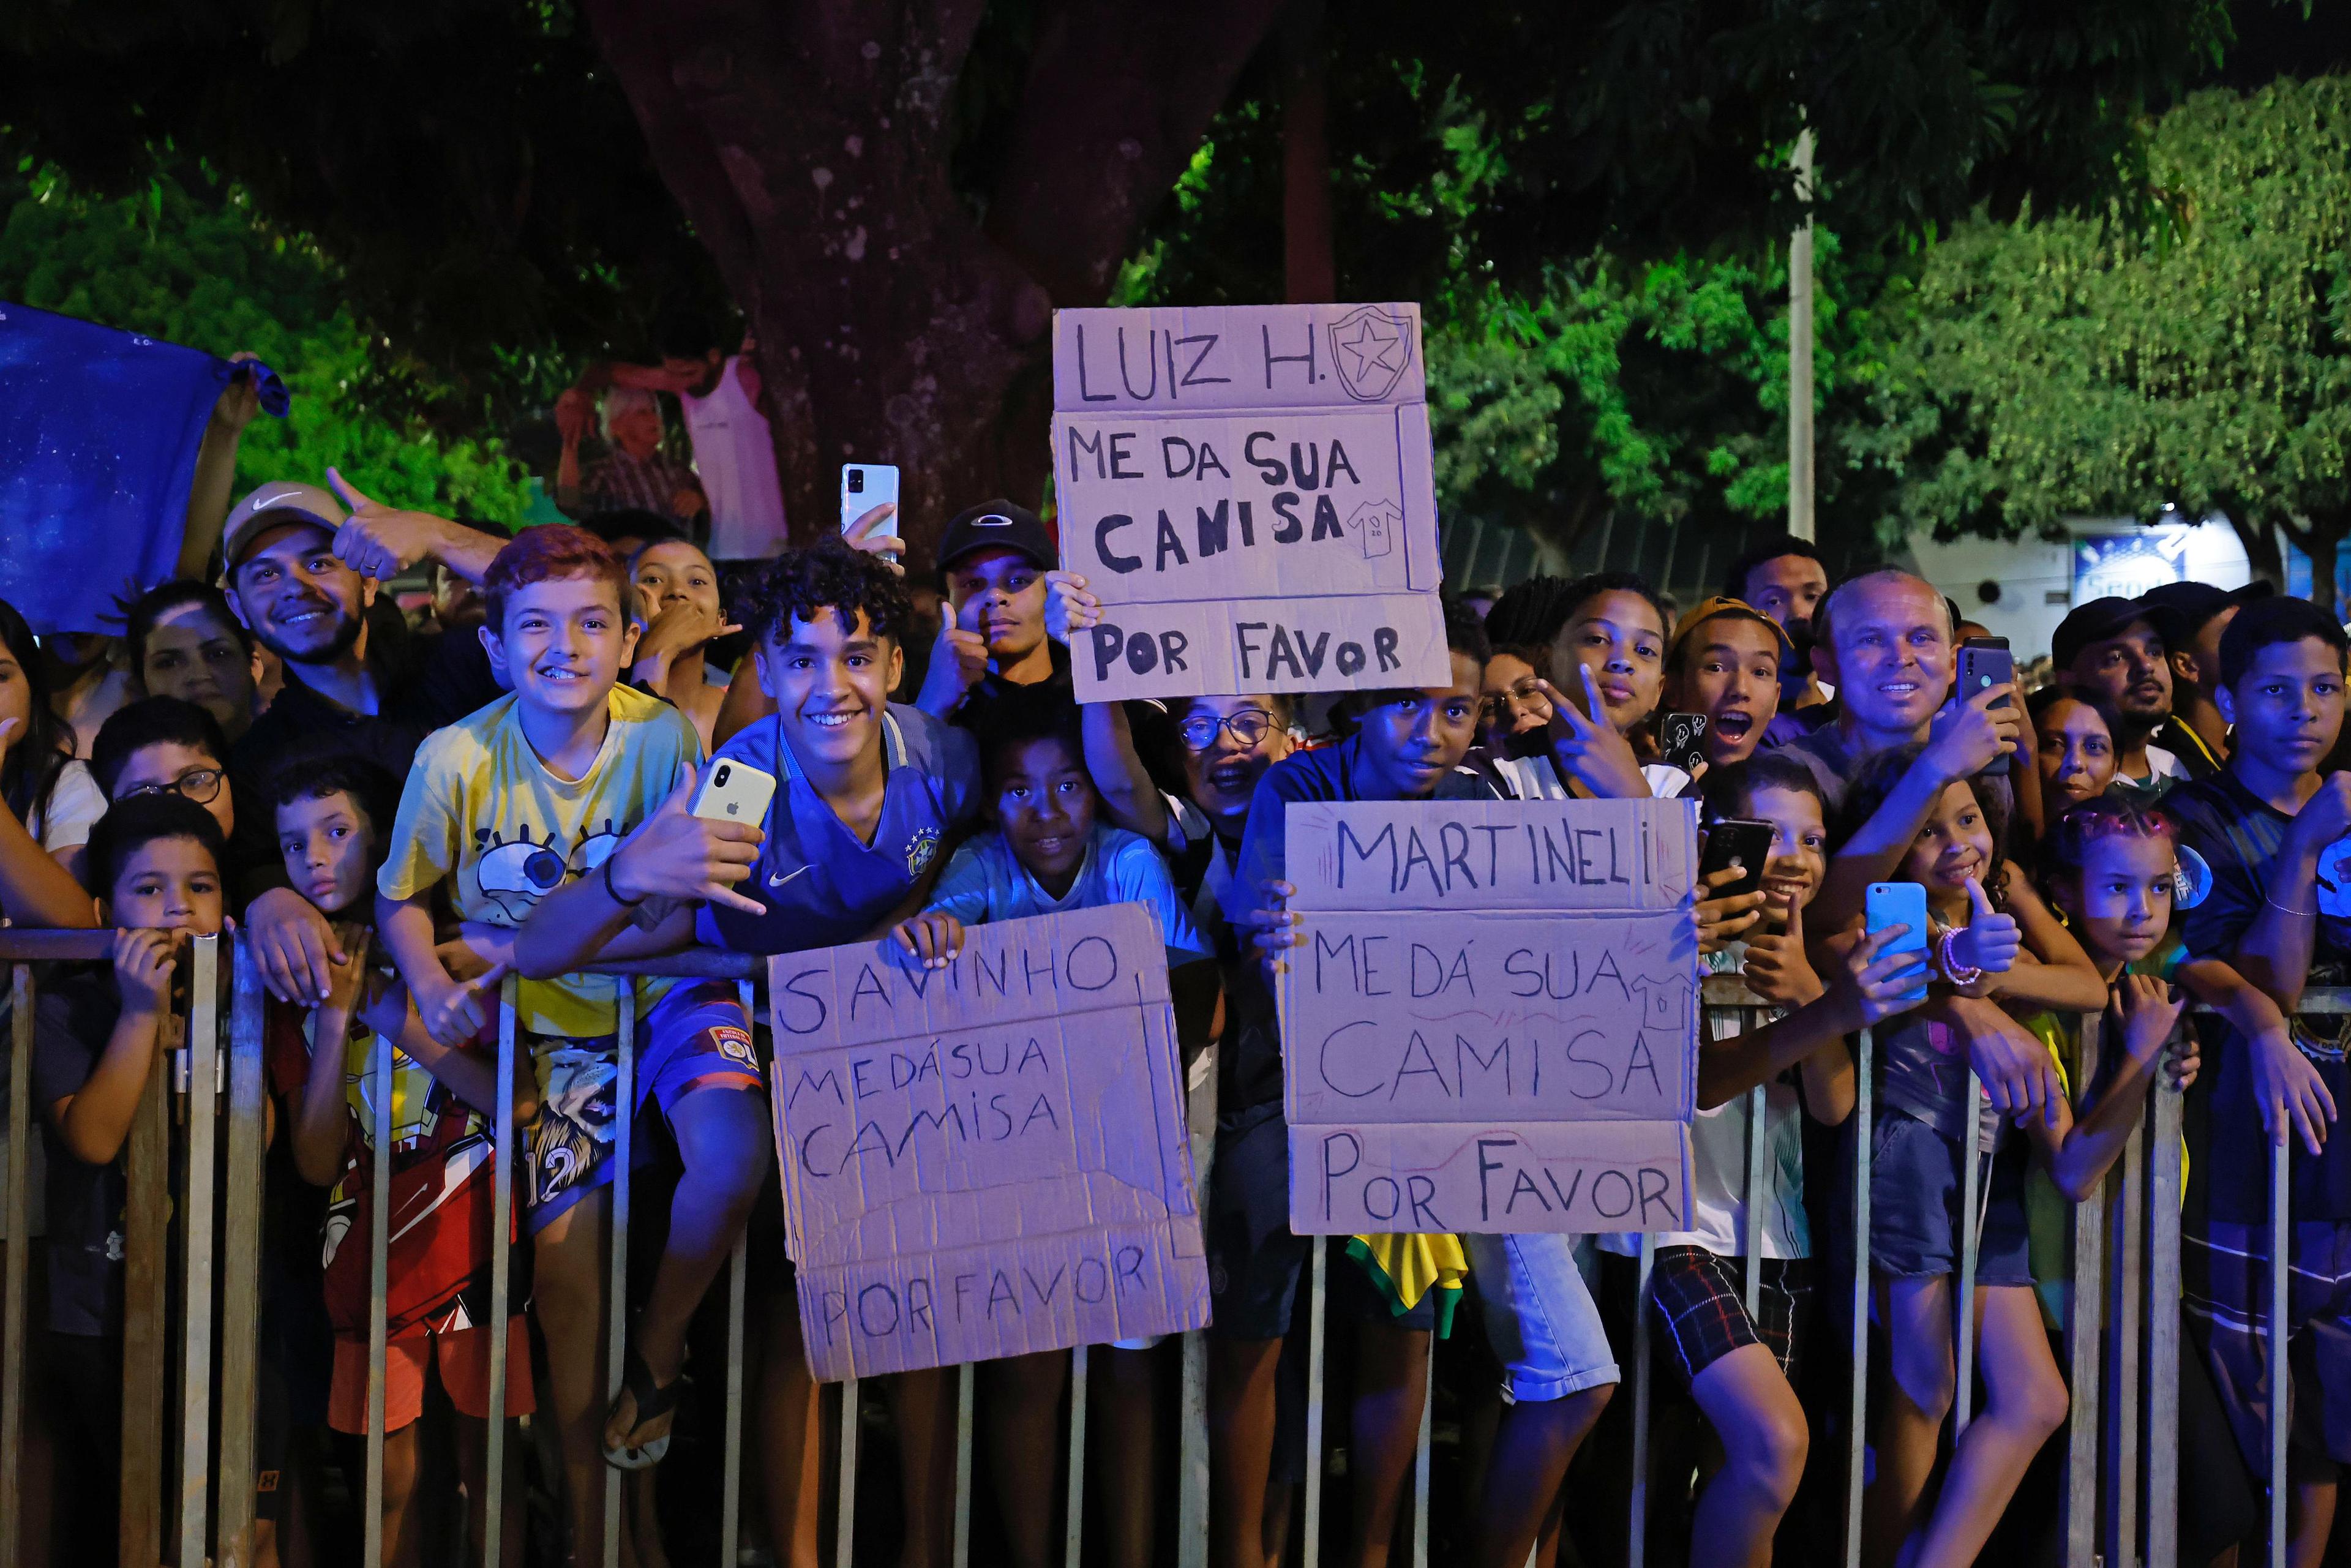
x=810, y=146
x=2321, y=542
x=2260, y=542
x=1310, y=271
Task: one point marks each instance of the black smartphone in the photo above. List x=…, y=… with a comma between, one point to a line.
x=1735, y=842
x=1985, y=663
x=1681, y=740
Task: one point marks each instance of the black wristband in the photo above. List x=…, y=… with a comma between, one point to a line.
x=613, y=892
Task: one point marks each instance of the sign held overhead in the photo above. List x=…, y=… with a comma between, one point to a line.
x=1248, y=490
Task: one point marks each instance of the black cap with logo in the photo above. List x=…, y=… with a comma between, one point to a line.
x=997, y=525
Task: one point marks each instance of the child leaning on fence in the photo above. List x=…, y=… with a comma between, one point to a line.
x=555, y=820
x=331, y=820
x=97, y=1039
x=1050, y=855
x=2271, y=826
x=1989, y=936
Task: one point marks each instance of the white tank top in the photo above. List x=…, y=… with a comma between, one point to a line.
x=737, y=459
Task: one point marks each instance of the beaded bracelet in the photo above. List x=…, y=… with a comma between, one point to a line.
x=1958, y=973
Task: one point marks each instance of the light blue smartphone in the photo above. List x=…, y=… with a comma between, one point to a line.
x=863, y=487
x=1901, y=903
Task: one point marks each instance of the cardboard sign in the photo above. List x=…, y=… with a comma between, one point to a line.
x=1248, y=490
x=988, y=1159
x=1492, y=1025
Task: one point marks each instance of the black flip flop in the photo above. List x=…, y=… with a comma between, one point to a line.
x=652, y=1403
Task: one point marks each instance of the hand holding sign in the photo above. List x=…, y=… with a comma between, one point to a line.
x=1589, y=750
x=1271, y=928
x=1068, y=606
x=935, y=936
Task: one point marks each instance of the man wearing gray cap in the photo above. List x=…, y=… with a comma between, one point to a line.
x=302, y=569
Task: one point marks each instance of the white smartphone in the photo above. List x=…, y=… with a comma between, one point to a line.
x=863, y=487
x=734, y=791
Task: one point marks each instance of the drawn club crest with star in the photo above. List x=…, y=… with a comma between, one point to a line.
x=1371, y=349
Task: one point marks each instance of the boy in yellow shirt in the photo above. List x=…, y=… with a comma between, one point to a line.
x=556, y=818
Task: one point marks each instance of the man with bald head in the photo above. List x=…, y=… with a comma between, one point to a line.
x=1885, y=643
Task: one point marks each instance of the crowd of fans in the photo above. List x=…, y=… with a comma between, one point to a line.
x=401, y=816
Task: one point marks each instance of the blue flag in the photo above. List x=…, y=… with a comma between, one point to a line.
x=99, y=433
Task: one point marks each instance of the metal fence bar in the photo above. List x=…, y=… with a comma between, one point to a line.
x=2281, y=1369
x=2084, y=1307
x=1758, y=1132
x=379, y=1275
x=197, y=1338
x=730, y=1505
x=1644, y=1294
x=20, y=1260
x=2164, y=1181
x=616, y=1281
x=1856, y=1457
x=1420, y=1460
x=1076, y=1533
x=1320, y=1283
x=966, y=1388
x=844, y=1534
x=146, y=1298
x=2123, y=1373
x=241, y=1248
x=1971, y=1192
x=502, y=1169
x=1192, y=1448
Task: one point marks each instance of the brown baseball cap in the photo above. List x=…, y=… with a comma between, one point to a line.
x=1722, y=605
x=275, y=505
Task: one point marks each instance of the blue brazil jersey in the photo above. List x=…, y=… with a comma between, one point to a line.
x=821, y=885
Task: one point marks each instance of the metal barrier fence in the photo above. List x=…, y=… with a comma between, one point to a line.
x=2123, y=1319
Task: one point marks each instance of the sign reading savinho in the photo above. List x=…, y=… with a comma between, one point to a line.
x=988, y=1159
x=1491, y=1024
x=1248, y=491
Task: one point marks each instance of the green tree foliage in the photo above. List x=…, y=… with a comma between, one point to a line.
x=190, y=260
x=2064, y=365
x=1651, y=388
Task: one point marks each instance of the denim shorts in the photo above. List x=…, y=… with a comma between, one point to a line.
x=1539, y=1316
x=1914, y=1206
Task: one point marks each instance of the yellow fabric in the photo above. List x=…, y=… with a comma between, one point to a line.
x=482, y=813
x=1407, y=1266
x=2049, y=1219
x=411, y=1090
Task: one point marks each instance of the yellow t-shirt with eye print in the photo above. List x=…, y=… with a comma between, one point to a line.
x=482, y=813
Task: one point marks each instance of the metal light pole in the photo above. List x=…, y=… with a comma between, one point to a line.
x=1799, y=352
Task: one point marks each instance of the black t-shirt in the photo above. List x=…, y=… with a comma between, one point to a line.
x=72, y=1022
x=437, y=680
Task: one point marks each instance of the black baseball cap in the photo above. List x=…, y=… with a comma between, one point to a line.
x=2193, y=604
x=2102, y=618
x=997, y=525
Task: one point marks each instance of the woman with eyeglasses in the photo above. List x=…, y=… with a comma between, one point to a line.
x=1513, y=693
x=163, y=746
